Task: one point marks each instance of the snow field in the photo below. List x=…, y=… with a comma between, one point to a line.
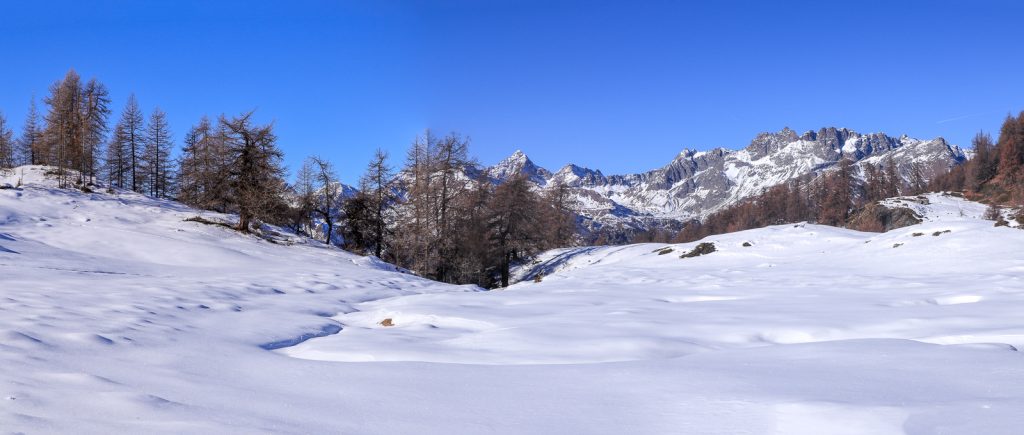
x=118, y=317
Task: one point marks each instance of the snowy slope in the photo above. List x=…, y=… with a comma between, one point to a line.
x=812, y=329
x=696, y=184
x=118, y=317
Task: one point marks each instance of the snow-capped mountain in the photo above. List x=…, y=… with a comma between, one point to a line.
x=698, y=183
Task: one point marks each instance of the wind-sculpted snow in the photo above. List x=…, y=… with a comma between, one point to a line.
x=116, y=316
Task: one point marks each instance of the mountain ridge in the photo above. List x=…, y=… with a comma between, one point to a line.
x=697, y=183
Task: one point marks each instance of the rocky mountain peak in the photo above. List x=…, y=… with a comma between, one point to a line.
x=768, y=143
x=519, y=163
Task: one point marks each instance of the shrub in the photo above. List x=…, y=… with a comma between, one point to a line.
x=992, y=213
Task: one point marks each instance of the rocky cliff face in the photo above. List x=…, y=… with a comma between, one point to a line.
x=698, y=183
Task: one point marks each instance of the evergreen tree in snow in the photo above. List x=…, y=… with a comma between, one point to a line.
x=7, y=155
x=256, y=177
x=156, y=156
x=30, y=143
x=133, y=129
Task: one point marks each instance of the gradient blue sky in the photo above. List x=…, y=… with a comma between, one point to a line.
x=619, y=86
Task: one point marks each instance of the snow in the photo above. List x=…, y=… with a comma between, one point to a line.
x=117, y=316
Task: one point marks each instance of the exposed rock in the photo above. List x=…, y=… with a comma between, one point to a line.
x=878, y=217
x=701, y=249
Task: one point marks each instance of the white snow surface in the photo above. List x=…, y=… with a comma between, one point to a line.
x=116, y=316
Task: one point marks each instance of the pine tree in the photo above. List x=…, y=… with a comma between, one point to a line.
x=1011, y=147
x=473, y=260
x=983, y=165
x=357, y=222
x=836, y=197
x=7, y=155
x=560, y=216
x=256, y=174
x=117, y=163
x=450, y=156
x=63, y=130
x=328, y=199
x=75, y=126
x=377, y=184
x=156, y=157
x=31, y=142
x=94, y=113
x=304, y=190
x=516, y=227
x=134, y=136
x=415, y=238
x=893, y=181
x=875, y=183
x=204, y=168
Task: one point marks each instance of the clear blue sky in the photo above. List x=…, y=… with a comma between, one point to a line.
x=619, y=86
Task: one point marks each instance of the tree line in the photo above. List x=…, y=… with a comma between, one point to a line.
x=427, y=216
x=71, y=135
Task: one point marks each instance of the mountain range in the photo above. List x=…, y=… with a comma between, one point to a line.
x=697, y=183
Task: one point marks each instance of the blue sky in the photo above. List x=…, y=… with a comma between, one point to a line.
x=619, y=86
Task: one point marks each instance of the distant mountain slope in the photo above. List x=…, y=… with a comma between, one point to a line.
x=698, y=183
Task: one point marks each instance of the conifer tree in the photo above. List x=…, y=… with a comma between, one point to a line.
x=304, y=189
x=134, y=136
x=7, y=155
x=156, y=157
x=117, y=163
x=328, y=196
x=376, y=183
x=983, y=165
x=515, y=225
x=204, y=166
x=560, y=215
x=63, y=124
x=94, y=112
x=30, y=143
x=1011, y=146
x=893, y=181
x=256, y=175
x=836, y=197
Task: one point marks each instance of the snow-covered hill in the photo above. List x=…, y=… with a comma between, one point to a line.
x=117, y=316
x=696, y=184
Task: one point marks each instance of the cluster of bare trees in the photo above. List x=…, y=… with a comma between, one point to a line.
x=72, y=133
x=139, y=154
x=996, y=171
x=234, y=167
x=431, y=217
x=830, y=199
x=319, y=200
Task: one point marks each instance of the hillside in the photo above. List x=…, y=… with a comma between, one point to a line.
x=116, y=315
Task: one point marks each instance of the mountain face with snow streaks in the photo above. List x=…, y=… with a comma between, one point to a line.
x=697, y=183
